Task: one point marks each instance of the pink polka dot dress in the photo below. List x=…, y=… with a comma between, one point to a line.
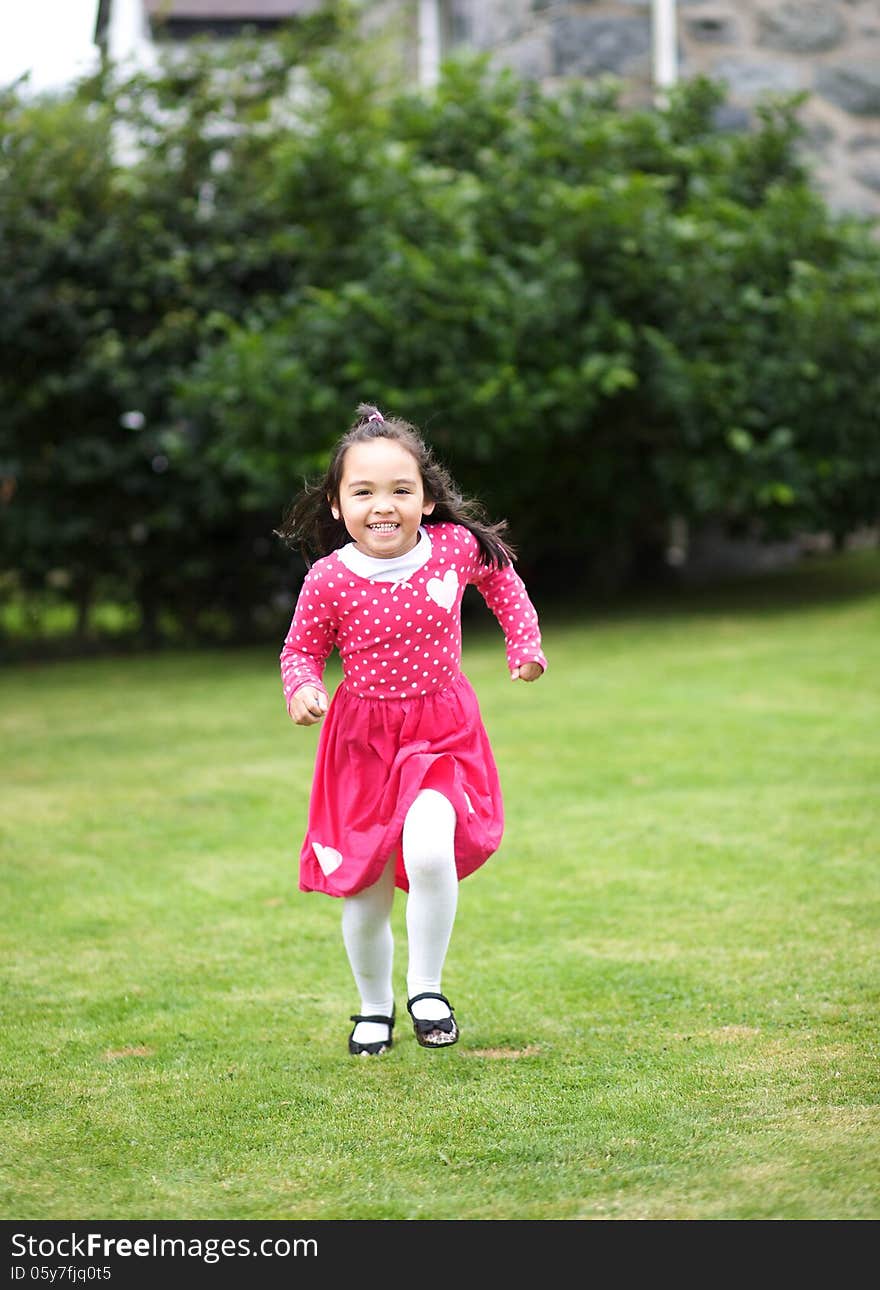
x=404, y=716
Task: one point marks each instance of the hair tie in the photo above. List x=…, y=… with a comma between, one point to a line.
x=375, y=416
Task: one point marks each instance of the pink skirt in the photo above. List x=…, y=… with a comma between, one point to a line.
x=373, y=758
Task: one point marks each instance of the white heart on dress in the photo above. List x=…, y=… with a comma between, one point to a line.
x=443, y=592
x=328, y=858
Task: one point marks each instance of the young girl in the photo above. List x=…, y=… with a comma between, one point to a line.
x=406, y=791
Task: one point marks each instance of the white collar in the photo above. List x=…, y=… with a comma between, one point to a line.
x=398, y=569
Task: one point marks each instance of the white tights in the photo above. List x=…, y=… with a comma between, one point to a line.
x=429, y=861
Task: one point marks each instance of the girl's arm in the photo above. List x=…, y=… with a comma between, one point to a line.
x=307, y=646
x=505, y=593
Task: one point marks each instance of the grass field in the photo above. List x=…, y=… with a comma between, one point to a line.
x=667, y=977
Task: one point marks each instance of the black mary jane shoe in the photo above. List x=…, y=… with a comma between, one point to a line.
x=434, y=1033
x=380, y=1045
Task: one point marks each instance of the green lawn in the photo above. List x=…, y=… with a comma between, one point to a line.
x=666, y=979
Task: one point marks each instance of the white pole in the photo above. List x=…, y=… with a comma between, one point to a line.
x=429, y=42
x=128, y=36
x=665, y=47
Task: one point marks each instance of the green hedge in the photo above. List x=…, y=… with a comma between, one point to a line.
x=601, y=317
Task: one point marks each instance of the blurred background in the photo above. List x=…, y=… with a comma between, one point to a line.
x=618, y=261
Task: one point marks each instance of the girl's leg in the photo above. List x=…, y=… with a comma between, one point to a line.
x=429, y=860
x=366, y=932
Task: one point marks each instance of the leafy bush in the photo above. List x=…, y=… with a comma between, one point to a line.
x=601, y=318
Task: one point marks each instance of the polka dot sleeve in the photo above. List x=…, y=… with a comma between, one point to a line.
x=310, y=638
x=505, y=593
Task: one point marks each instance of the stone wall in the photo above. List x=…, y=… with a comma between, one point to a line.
x=829, y=49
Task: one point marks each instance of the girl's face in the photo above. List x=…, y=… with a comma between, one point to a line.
x=381, y=498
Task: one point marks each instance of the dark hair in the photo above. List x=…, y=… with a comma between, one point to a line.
x=309, y=525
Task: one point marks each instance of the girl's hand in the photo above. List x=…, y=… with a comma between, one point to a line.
x=527, y=672
x=307, y=706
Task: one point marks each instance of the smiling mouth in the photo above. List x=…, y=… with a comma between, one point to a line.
x=385, y=527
